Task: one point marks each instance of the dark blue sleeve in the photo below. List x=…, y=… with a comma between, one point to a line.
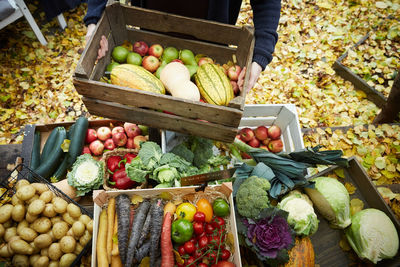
x=266, y=14
x=94, y=11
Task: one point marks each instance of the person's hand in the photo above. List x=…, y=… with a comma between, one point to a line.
x=255, y=71
x=90, y=31
x=103, y=47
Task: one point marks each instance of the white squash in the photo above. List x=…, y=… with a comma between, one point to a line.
x=173, y=73
x=187, y=90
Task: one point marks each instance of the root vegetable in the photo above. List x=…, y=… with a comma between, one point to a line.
x=55, y=251
x=123, y=208
x=73, y=210
x=5, y=212
x=20, y=261
x=145, y=230
x=20, y=246
x=110, y=226
x=60, y=229
x=43, y=241
x=101, y=246
x=167, y=256
x=67, y=259
x=18, y=213
x=25, y=192
x=115, y=251
x=157, y=214
x=116, y=261
x=67, y=244
x=78, y=229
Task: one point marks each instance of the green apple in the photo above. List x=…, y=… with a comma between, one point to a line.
x=134, y=59
x=145, y=129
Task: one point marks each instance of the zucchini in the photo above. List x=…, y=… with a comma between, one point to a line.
x=35, y=156
x=49, y=145
x=78, y=140
x=47, y=168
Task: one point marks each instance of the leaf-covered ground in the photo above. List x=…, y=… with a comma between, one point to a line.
x=36, y=81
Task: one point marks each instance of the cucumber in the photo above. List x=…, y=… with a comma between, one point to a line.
x=35, y=156
x=47, y=168
x=78, y=140
x=70, y=131
x=49, y=145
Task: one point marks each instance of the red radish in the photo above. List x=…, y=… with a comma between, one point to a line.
x=167, y=255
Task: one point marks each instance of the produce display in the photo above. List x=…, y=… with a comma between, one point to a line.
x=181, y=73
x=38, y=228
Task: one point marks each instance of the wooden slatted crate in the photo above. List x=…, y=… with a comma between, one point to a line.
x=216, y=40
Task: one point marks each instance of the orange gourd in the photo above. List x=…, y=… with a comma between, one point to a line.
x=302, y=254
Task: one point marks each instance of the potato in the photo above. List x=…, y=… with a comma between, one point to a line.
x=5, y=212
x=21, y=183
x=41, y=225
x=22, y=225
x=9, y=233
x=56, y=219
x=73, y=210
x=20, y=261
x=60, y=205
x=33, y=259
x=67, y=259
x=68, y=219
x=70, y=233
x=36, y=207
x=2, y=230
x=46, y=196
x=44, y=252
x=89, y=226
x=49, y=210
x=25, y=192
x=50, y=233
x=55, y=251
x=78, y=229
x=30, y=218
x=40, y=188
x=85, y=238
x=43, y=261
x=18, y=213
x=29, y=201
x=36, y=250
x=4, y=252
x=60, y=229
x=67, y=244
x=43, y=241
x=15, y=200
x=21, y=247
x=12, y=239
x=85, y=219
x=78, y=249
x=8, y=224
x=28, y=234
x=54, y=264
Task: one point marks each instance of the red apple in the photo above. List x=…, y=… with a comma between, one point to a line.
x=246, y=134
x=132, y=129
x=141, y=48
x=138, y=139
x=86, y=150
x=117, y=129
x=264, y=147
x=177, y=60
x=96, y=147
x=109, y=144
x=129, y=143
x=233, y=72
x=254, y=142
x=238, y=137
x=150, y=63
x=265, y=142
x=103, y=133
x=274, y=132
x=91, y=135
x=119, y=139
x=156, y=50
x=275, y=146
x=235, y=87
x=205, y=60
x=261, y=133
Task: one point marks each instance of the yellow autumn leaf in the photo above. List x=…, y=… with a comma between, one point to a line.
x=136, y=199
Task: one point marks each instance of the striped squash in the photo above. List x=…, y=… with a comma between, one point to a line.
x=136, y=77
x=213, y=84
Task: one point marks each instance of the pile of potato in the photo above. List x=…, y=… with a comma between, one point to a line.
x=40, y=229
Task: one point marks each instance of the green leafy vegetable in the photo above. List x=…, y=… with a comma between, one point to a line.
x=136, y=170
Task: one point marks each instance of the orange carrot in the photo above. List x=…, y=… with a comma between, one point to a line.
x=167, y=255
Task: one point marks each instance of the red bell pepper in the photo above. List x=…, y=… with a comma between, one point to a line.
x=129, y=157
x=113, y=162
x=121, y=180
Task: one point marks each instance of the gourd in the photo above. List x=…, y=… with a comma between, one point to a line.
x=176, y=78
x=302, y=254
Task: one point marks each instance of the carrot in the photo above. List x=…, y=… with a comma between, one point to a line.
x=142, y=251
x=115, y=251
x=110, y=226
x=116, y=261
x=167, y=256
x=101, y=246
x=145, y=230
x=157, y=214
x=123, y=207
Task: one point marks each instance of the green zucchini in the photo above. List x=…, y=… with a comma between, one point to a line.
x=78, y=140
x=35, y=155
x=47, y=168
x=49, y=145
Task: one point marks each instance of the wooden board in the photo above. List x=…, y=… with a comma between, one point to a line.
x=326, y=240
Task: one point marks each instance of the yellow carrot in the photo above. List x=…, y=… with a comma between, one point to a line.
x=110, y=226
x=101, y=248
x=115, y=250
x=116, y=261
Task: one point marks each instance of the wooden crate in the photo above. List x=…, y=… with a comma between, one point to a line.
x=219, y=41
x=326, y=240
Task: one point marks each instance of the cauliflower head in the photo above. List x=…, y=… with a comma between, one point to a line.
x=252, y=196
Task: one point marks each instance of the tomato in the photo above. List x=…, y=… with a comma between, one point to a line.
x=198, y=254
x=212, y=256
x=202, y=265
x=181, y=231
x=193, y=240
x=221, y=207
x=199, y=217
x=203, y=241
x=209, y=228
x=225, y=254
x=218, y=222
x=214, y=240
x=189, y=260
x=198, y=228
x=201, y=235
x=189, y=247
x=203, y=205
x=225, y=264
x=181, y=250
x=186, y=211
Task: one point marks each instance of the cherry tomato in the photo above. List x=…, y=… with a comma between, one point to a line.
x=193, y=240
x=198, y=228
x=181, y=264
x=225, y=264
x=189, y=260
x=200, y=236
x=214, y=240
x=181, y=250
x=202, y=265
x=218, y=222
x=225, y=254
x=198, y=254
x=199, y=217
x=209, y=228
x=212, y=257
x=189, y=247
x=203, y=241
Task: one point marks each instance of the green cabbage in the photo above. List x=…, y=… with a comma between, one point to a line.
x=372, y=235
x=301, y=213
x=332, y=200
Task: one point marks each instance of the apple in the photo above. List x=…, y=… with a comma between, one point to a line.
x=156, y=50
x=109, y=144
x=177, y=60
x=238, y=137
x=233, y=72
x=261, y=133
x=205, y=60
x=235, y=87
x=254, y=142
x=91, y=135
x=265, y=142
x=246, y=134
x=86, y=150
x=275, y=146
x=144, y=129
x=129, y=143
x=117, y=129
x=264, y=147
x=103, y=133
x=132, y=129
x=150, y=63
x=96, y=147
x=134, y=59
x=225, y=68
x=141, y=48
x=119, y=139
x=139, y=139
x=274, y=132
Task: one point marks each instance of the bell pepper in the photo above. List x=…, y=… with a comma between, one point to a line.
x=181, y=231
x=129, y=157
x=113, y=162
x=121, y=180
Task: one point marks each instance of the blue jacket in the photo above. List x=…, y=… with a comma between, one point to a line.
x=266, y=15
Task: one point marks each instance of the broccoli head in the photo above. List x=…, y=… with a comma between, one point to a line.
x=252, y=196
